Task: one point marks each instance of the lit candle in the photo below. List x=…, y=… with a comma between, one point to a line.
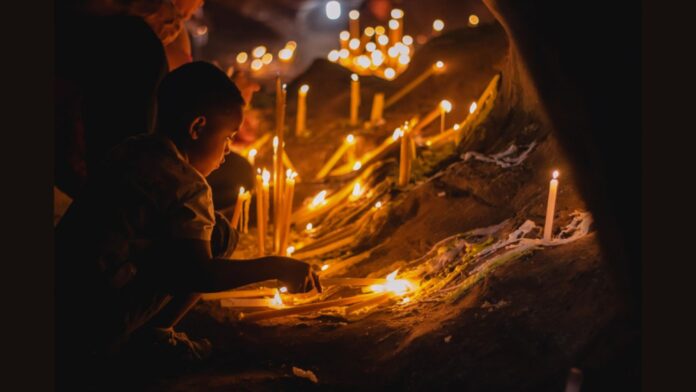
x=377, y=108
x=551, y=206
x=301, y=110
x=237, y=208
x=266, y=177
x=287, y=211
x=432, y=115
x=277, y=160
x=445, y=107
x=350, y=153
x=438, y=26
x=354, y=98
x=437, y=67
x=395, y=30
x=368, y=33
x=247, y=202
x=260, y=209
x=252, y=156
x=354, y=24
x=345, y=146
x=344, y=37
x=280, y=128
x=404, y=158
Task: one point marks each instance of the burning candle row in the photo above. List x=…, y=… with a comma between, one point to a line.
x=260, y=57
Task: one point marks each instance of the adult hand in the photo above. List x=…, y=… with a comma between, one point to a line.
x=297, y=276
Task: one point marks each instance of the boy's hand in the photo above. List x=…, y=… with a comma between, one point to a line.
x=297, y=276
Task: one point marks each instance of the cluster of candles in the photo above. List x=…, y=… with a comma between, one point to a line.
x=378, y=51
x=260, y=57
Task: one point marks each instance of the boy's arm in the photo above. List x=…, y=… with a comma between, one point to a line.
x=194, y=269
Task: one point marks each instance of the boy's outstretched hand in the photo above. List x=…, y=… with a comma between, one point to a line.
x=296, y=275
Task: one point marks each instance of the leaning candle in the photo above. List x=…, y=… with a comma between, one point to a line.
x=354, y=98
x=431, y=116
x=237, y=208
x=445, y=107
x=335, y=157
x=301, y=110
x=354, y=24
x=551, y=206
x=350, y=154
x=437, y=67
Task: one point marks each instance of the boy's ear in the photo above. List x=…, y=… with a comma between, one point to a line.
x=196, y=127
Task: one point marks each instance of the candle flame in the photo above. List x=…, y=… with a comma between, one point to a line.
x=259, y=51
x=456, y=127
x=242, y=57
x=369, y=31
x=319, y=199
x=283, y=289
x=393, y=24
x=241, y=190
x=555, y=174
x=446, y=105
x=292, y=45
x=357, y=165
x=473, y=20
x=406, y=300
x=370, y=46
x=354, y=77
x=350, y=139
x=266, y=176
x=393, y=285
x=354, y=44
x=304, y=88
x=277, y=301
x=324, y=267
x=392, y=275
x=397, y=13
x=344, y=35
x=252, y=153
x=267, y=58
x=333, y=10
x=357, y=190
x=343, y=53
x=404, y=59
x=383, y=40
x=256, y=65
x=439, y=66
x=333, y=56
x=407, y=40
x=363, y=62
x=379, y=30
x=389, y=73
x=438, y=25
x=397, y=134
x=309, y=226
x=290, y=250
x=473, y=107
x=285, y=54
x=354, y=14
x=378, y=205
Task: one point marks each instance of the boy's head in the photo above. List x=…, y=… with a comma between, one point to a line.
x=200, y=109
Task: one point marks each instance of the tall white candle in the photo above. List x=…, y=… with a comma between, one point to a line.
x=551, y=206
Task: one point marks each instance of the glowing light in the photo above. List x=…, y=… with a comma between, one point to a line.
x=473, y=107
x=439, y=65
x=344, y=35
x=406, y=300
x=354, y=44
x=393, y=52
x=396, y=13
x=283, y=289
x=393, y=285
x=350, y=139
x=397, y=134
x=309, y=226
x=354, y=77
x=389, y=73
x=363, y=61
x=333, y=56
x=267, y=58
x=383, y=40
x=290, y=174
x=555, y=174
x=438, y=25
x=304, y=88
x=241, y=190
x=266, y=177
x=473, y=20
x=393, y=24
x=202, y=30
x=379, y=30
x=343, y=53
x=275, y=143
x=276, y=301
x=407, y=40
x=357, y=165
x=446, y=105
x=256, y=65
x=403, y=49
x=404, y=59
x=354, y=14
x=324, y=267
x=290, y=250
x=369, y=31
x=377, y=57
x=285, y=54
x=259, y=51
x=242, y=57
x=252, y=153
x=378, y=205
x=319, y=199
x=292, y=45
x=333, y=10
x=370, y=47
x=357, y=190
x=456, y=127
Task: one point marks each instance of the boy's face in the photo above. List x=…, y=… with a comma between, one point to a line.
x=211, y=141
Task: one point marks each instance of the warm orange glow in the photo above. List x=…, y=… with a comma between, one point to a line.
x=285, y=54
x=383, y=40
x=456, y=127
x=393, y=24
x=397, y=13
x=379, y=30
x=555, y=174
x=309, y=226
x=344, y=35
x=370, y=46
x=473, y=107
x=354, y=44
x=354, y=14
x=259, y=51
x=333, y=56
x=393, y=285
x=404, y=59
x=438, y=25
x=267, y=58
x=256, y=65
x=350, y=139
x=473, y=20
x=389, y=73
x=290, y=250
x=407, y=40
x=292, y=45
x=266, y=177
x=354, y=77
x=357, y=165
x=397, y=134
x=319, y=199
x=369, y=31
x=378, y=205
x=446, y=105
x=343, y=53
x=324, y=267
x=363, y=61
x=242, y=57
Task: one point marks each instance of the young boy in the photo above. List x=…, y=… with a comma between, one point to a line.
x=134, y=250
